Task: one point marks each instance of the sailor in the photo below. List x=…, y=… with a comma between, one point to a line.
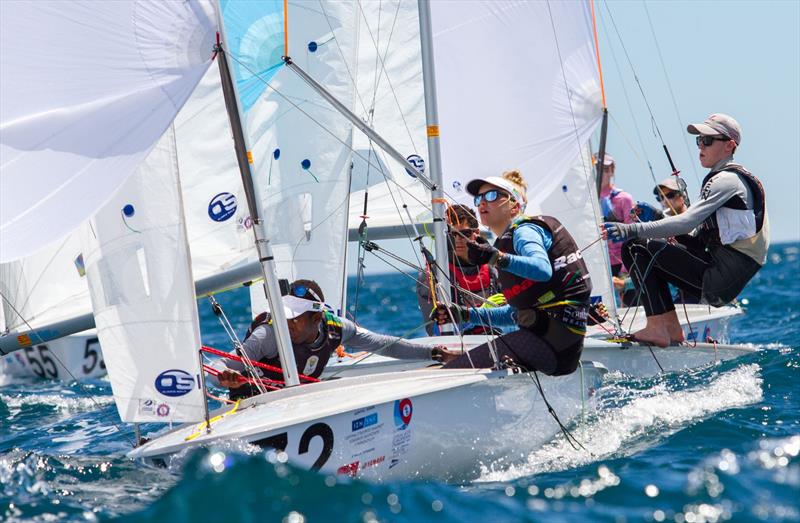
x=315, y=334
x=616, y=206
x=732, y=236
x=542, y=275
x=471, y=285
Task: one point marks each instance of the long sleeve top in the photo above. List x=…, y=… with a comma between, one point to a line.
x=262, y=344
x=532, y=243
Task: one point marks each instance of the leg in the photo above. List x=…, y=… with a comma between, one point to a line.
x=654, y=264
x=522, y=347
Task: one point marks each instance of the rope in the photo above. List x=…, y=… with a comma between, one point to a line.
x=228, y=355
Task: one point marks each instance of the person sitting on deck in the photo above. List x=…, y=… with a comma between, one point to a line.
x=315, y=334
x=471, y=285
x=732, y=233
x=542, y=275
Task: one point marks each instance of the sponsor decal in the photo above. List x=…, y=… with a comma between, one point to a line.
x=418, y=163
x=24, y=340
x=457, y=186
x=366, y=421
x=691, y=336
x=403, y=409
x=147, y=406
x=707, y=335
x=244, y=224
x=80, y=266
x=374, y=462
x=351, y=469
x=163, y=410
x=174, y=382
x=594, y=300
x=222, y=206
x=311, y=365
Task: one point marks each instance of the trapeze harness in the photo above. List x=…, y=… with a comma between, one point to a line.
x=310, y=358
x=715, y=238
x=554, y=310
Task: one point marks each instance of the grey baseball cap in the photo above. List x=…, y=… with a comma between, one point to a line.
x=669, y=183
x=718, y=123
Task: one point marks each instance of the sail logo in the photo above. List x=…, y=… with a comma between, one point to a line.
x=174, y=382
x=403, y=409
x=418, y=163
x=222, y=207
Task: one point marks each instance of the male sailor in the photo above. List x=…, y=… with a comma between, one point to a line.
x=732, y=229
x=542, y=275
x=315, y=334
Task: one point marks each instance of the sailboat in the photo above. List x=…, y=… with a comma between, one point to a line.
x=112, y=117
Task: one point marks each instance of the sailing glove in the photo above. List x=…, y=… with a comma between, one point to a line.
x=619, y=232
x=442, y=314
x=481, y=252
x=645, y=212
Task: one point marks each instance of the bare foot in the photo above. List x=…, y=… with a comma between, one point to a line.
x=673, y=327
x=655, y=335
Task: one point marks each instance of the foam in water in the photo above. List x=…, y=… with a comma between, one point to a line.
x=656, y=412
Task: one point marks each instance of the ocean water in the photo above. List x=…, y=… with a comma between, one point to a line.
x=713, y=444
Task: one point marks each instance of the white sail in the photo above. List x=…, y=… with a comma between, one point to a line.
x=518, y=88
x=139, y=273
x=217, y=219
x=73, y=80
x=390, y=97
x=44, y=288
x=300, y=145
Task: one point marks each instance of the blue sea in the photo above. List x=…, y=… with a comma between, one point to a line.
x=714, y=444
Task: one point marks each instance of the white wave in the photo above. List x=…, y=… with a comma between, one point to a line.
x=618, y=431
x=62, y=403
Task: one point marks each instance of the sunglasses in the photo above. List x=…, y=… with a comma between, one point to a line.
x=669, y=195
x=490, y=196
x=456, y=233
x=301, y=291
x=708, y=140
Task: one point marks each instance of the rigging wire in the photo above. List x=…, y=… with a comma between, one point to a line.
x=671, y=92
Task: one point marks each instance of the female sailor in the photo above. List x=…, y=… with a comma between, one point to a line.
x=542, y=276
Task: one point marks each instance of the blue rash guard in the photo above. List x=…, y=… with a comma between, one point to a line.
x=532, y=242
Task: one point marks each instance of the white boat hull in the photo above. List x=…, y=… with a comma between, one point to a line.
x=77, y=356
x=429, y=424
x=705, y=323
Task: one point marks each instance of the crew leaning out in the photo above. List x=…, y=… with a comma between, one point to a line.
x=315, y=334
x=542, y=276
x=731, y=233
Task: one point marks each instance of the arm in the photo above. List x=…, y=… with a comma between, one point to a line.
x=362, y=339
x=495, y=316
x=261, y=344
x=624, y=204
x=532, y=243
x=715, y=193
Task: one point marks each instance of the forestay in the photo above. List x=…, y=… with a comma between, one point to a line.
x=73, y=81
x=137, y=262
x=301, y=147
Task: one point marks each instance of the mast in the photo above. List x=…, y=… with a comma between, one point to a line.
x=434, y=152
x=265, y=256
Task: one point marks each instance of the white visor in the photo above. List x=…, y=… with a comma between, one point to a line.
x=294, y=306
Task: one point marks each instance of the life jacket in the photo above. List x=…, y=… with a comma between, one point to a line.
x=736, y=217
x=310, y=358
x=477, y=280
x=565, y=297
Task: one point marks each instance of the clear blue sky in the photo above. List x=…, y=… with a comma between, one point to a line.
x=741, y=58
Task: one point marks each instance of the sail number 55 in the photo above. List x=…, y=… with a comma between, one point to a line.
x=40, y=361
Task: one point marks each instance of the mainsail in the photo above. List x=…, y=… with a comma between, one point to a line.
x=518, y=88
x=73, y=80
